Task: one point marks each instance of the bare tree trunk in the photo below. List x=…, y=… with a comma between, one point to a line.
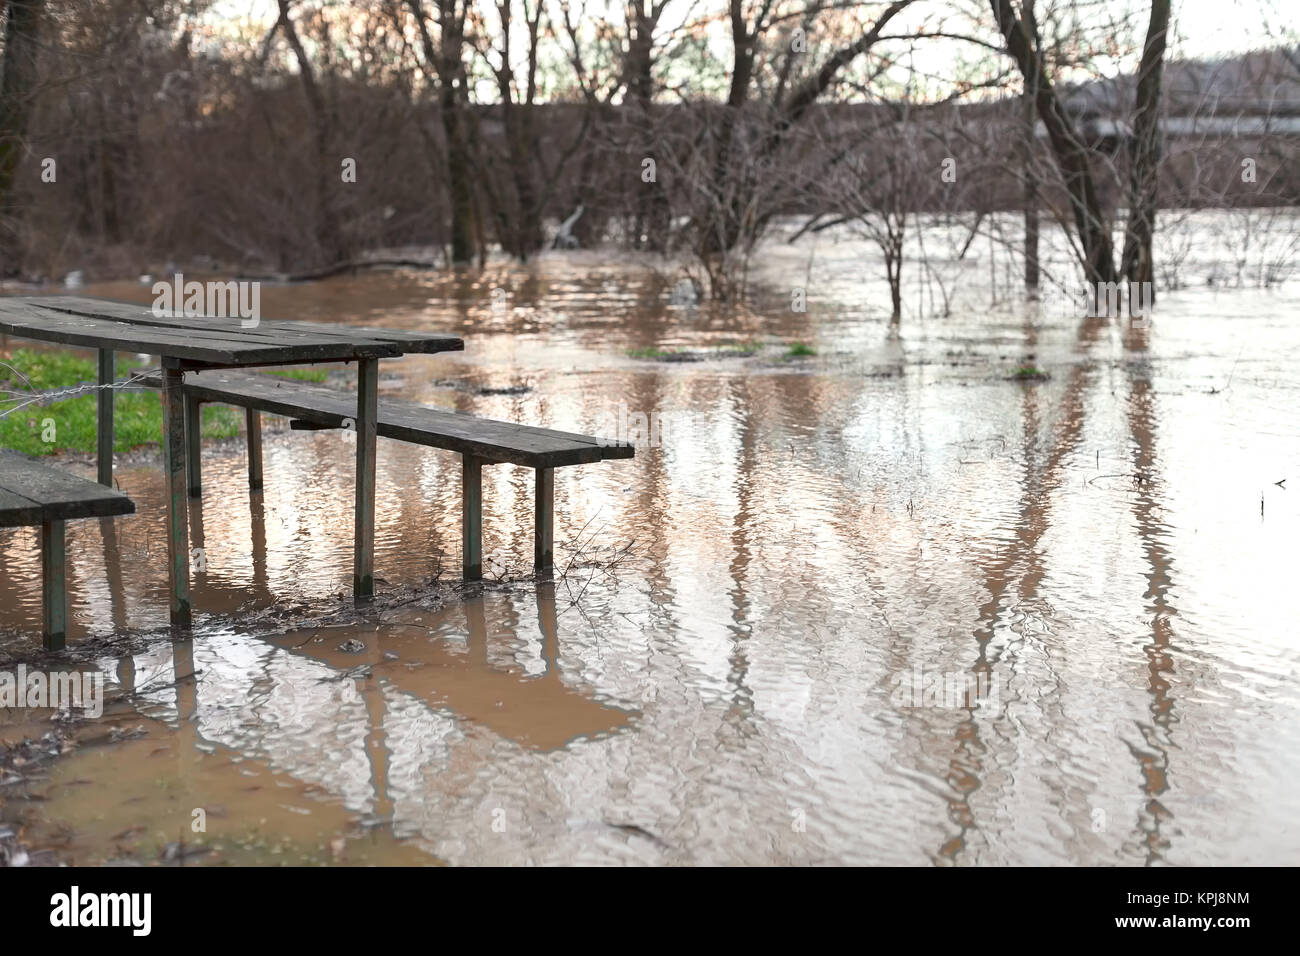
x=1145, y=153
x=459, y=170
x=722, y=225
x=17, y=87
x=653, y=211
x=1071, y=154
x=894, y=269
x=524, y=235
x=446, y=61
x=331, y=237
x=1031, y=180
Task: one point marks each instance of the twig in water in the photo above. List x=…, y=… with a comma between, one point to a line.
x=1231, y=372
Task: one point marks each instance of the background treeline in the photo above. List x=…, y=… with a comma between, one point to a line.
x=675, y=126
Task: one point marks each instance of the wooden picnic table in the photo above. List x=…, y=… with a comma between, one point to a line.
x=191, y=343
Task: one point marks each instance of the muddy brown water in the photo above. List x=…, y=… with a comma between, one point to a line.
x=821, y=549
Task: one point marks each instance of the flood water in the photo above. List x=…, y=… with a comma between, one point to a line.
x=735, y=662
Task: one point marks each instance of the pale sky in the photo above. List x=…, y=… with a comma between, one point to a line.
x=1203, y=28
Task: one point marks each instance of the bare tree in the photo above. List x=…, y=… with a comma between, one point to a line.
x=443, y=65
x=334, y=247
x=1029, y=143
x=18, y=81
x=1072, y=155
x=1144, y=153
x=652, y=223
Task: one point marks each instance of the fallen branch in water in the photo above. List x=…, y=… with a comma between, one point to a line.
x=351, y=265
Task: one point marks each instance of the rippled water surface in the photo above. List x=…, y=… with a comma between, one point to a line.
x=820, y=549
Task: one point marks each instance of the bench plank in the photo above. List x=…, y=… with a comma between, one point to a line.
x=491, y=440
x=55, y=495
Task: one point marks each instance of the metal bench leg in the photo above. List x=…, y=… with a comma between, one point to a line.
x=173, y=442
x=104, y=397
x=54, y=585
x=471, y=518
x=363, y=565
x=193, y=445
x=254, y=421
x=544, y=523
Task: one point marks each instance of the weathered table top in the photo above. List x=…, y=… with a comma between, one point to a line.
x=204, y=341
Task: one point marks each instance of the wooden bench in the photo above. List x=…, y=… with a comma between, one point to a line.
x=479, y=441
x=36, y=494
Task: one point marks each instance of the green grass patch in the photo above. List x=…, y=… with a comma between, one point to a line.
x=730, y=350
x=302, y=374
x=800, y=350
x=71, y=422
x=1029, y=373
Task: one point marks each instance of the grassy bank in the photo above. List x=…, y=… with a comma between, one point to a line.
x=68, y=424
